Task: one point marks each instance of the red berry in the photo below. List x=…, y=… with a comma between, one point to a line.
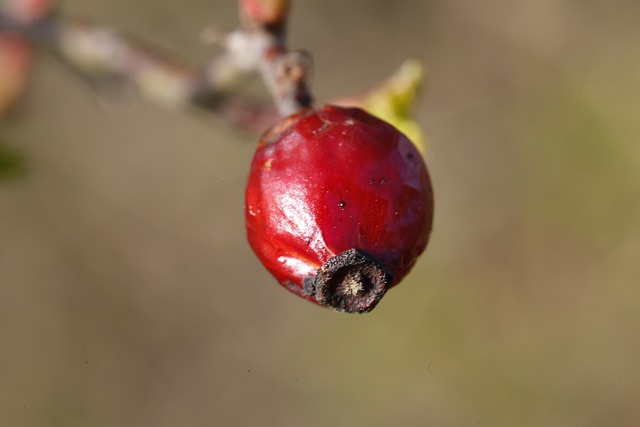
x=339, y=206
x=265, y=12
x=15, y=61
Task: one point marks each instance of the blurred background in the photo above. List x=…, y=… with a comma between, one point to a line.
x=129, y=296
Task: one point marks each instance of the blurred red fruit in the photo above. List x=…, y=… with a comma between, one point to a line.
x=339, y=205
x=15, y=59
x=265, y=12
x=25, y=11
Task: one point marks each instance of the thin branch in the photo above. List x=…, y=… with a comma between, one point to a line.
x=102, y=53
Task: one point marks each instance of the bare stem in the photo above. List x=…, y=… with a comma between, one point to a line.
x=102, y=53
x=286, y=73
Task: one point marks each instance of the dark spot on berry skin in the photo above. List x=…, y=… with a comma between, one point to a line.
x=410, y=156
x=307, y=241
x=342, y=204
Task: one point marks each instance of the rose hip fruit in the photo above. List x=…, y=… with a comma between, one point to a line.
x=15, y=61
x=339, y=205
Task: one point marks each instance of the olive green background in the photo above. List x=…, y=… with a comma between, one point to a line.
x=129, y=296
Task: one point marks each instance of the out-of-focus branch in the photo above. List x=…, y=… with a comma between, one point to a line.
x=286, y=73
x=25, y=11
x=101, y=53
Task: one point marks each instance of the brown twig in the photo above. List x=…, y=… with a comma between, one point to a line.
x=258, y=46
x=102, y=53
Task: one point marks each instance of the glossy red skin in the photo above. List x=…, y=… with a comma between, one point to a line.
x=328, y=180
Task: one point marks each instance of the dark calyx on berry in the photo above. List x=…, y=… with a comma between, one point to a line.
x=339, y=206
x=353, y=281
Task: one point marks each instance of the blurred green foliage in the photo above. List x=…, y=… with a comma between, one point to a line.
x=12, y=163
